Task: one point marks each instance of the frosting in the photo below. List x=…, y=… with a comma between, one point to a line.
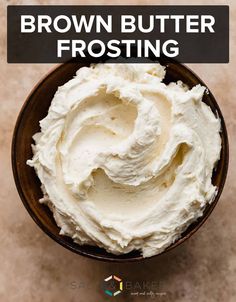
x=126, y=161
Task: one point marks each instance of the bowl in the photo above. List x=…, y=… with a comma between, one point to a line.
x=36, y=107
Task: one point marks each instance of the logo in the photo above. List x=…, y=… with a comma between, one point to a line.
x=113, y=285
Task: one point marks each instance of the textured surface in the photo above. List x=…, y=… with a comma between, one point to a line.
x=33, y=267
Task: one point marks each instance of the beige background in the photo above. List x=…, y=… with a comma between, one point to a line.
x=35, y=268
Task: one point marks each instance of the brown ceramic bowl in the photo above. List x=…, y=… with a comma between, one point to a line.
x=36, y=107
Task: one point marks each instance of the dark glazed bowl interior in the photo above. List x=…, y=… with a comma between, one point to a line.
x=28, y=185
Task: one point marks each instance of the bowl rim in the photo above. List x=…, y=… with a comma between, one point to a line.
x=60, y=239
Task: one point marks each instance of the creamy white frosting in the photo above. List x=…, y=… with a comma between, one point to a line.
x=126, y=161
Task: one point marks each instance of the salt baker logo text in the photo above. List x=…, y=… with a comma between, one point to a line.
x=113, y=285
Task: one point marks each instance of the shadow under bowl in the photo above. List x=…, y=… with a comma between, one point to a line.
x=36, y=107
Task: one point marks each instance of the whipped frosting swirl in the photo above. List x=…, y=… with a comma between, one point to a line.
x=126, y=161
